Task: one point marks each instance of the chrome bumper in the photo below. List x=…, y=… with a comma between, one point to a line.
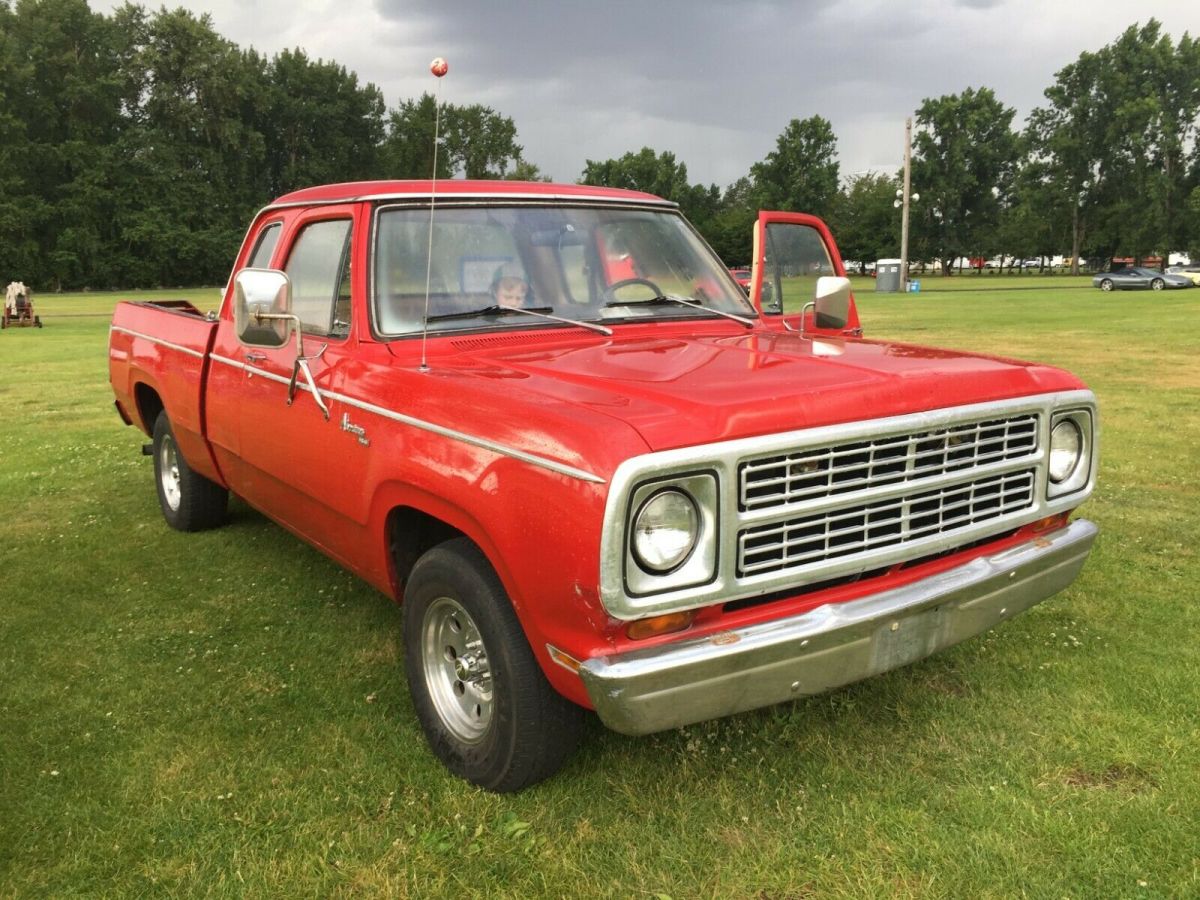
x=696, y=679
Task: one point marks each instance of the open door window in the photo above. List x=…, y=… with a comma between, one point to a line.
x=792, y=252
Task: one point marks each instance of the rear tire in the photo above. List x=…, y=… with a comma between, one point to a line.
x=189, y=501
x=1156, y=284
x=486, y=708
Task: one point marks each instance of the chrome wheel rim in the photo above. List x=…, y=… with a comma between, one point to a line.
x=168, y=471
x=457, y=674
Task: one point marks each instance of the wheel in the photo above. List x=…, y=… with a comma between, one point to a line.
x=37, y=321
x=610, y=292
x=1156, y=284
x=190, y=502
x=1106, y=284
x=487, y=711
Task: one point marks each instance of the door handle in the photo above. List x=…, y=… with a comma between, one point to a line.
x=255, y=357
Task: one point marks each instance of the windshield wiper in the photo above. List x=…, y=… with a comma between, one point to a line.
x=675, y=298
x=541, y=312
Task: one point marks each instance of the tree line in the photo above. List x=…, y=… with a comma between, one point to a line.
x=135, y=148
x=1109, y=166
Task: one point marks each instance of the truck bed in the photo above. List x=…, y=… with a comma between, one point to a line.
x=158, y=358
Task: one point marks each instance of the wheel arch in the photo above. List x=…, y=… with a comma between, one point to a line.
x=149, y=404
x=414, y=521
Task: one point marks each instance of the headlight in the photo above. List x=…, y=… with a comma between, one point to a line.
x=1066, y=449
x=665, y=531
x=1072, y=457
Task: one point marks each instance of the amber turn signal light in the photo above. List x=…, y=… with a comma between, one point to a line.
x=656, y=625
x=1050, y=522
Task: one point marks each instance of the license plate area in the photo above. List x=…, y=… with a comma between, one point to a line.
x=905, y=640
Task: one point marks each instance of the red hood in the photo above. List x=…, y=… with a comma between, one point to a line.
x=684, y=390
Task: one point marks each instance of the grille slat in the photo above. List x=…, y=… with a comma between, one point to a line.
x=897, y=459
x=907, y=461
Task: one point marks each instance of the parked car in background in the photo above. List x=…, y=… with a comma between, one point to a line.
x=1192, y=273
x=1139, y=277
x=742, y=277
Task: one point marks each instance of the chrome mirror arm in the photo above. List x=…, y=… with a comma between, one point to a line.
x=301, y=365
x=301, y=362
x=800, y=331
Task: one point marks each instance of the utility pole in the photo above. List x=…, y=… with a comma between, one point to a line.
x=904, y=214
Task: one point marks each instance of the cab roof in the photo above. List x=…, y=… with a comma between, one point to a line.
x=352, y=191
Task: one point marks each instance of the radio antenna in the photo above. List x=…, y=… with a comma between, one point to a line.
x=439, y=67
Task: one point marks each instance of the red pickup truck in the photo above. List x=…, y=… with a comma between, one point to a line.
x=595, y=472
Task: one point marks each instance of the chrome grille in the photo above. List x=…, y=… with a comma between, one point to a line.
x=813, y=539
x=819, y=472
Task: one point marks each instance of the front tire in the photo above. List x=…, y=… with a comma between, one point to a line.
x=487, y=711
x=189, y=501
x=1156, y=284
x=1106, y=285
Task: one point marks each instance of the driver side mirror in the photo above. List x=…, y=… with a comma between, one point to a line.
x=262, y=306
x=832, y=302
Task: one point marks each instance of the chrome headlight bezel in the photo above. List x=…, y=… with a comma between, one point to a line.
x=1080, y=474
x=698, y=565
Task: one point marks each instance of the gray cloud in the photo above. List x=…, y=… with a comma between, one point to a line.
x=714, y=81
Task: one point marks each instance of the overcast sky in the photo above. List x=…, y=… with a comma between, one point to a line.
x=713, y=82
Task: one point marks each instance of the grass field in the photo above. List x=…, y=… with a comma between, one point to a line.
x=225, y=713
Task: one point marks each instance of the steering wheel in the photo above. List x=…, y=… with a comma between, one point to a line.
x=611, y=290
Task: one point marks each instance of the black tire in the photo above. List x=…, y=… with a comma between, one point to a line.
x=189, y=502
x=1106, y=285
x=496, y=722
x=37, y=321
x=1156, y=284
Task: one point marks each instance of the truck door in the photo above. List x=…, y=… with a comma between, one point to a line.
x=287, y=453
x=791, y=251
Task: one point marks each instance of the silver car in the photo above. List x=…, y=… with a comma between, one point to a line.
x=1135, y=277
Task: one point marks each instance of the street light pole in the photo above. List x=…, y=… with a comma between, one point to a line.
x=904, y=214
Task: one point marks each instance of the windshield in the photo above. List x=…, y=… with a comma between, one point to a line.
x=582, y=263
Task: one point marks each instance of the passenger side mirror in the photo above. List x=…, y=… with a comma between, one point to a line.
x=262, y=307
x=832, y=302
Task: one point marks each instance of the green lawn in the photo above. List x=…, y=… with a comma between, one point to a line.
x=225, y=713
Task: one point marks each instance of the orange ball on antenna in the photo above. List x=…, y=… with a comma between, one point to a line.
x=439, y=67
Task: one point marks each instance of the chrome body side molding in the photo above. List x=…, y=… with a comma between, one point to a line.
x=383, y=412
x=155, y=340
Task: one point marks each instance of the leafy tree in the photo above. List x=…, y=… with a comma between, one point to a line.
x=731, y=229
x=963, y=165
x=1031, y=223
x=474, y=141
x=320, y=125
x=523, y=170
x=191, y=158
x=1113, y=141
x=801, y=173
x=657, y=174
x=864, y=218
x=59, y=116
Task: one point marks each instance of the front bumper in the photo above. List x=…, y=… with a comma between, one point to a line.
x=696, y=679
